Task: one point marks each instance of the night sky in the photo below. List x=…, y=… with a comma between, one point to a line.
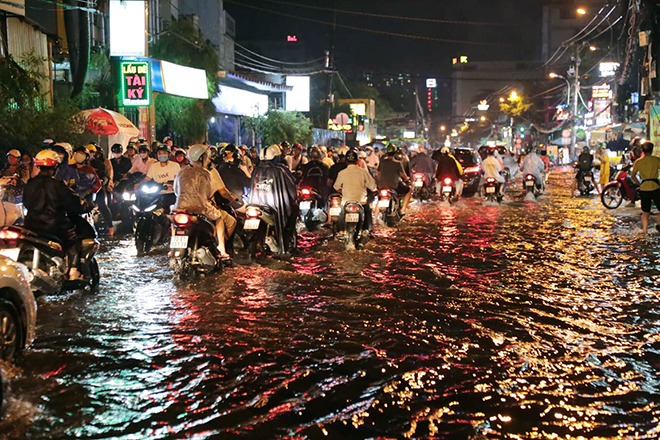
x=357, y=50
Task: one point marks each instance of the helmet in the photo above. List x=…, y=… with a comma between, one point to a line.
x=14, y=153
x=143, y=147
x=117, y=148
x=91, y=148
x=343, y=150
x=230, y=148
x=166, y=138
x=285, y=144
x=298, y=145
x=444, y=150
x=272, y=152
x=368, y=148
x=315, y=153
x=391, y=149
x=67, y=147
x=196, y=152
x=585, y=149
x=352, y=156
x=362, y=154
x=46, y=158
x=163, y=147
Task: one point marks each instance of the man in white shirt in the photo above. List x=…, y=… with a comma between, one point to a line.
x=353, y=184
x=141, y=161
x=492, y=168
x=165, y=170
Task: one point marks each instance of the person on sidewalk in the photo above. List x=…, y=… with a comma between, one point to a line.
x=648, y=169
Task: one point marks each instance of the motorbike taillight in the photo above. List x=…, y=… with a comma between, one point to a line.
x=490, y=180
x=335, y=202
x=351, y=208
x=384, y=194
x=306, y=192
x=447, y=181
x=9, y=235
x=418, y=177
x=252, y=212
x=181, y=218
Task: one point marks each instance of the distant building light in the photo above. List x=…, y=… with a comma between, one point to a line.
x=483, y=105
x=464, y=59
x=608, y=69
x=292, y=38
x=431, y=83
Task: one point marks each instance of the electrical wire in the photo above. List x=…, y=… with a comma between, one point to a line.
x=256, y=62
x=373, y=31
x=270, y=72
x=341, y=80
x=278, y=61
x=393, y=17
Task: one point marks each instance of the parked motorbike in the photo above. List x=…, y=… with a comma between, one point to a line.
x=448, y=190
x=311, y=208
x=620, y=189
x=531, y=185
x=389, y=204
x=152, y=226
x=585, y=183
x=422, y=188
x=491, y=190
x=260, y=231
x=334, y=211
x=47, y=261
x=193, y=246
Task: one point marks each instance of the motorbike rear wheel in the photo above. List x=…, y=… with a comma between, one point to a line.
x=611, y=197
x=95, y=273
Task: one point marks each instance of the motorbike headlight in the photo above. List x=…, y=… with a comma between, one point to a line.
x=129, y=197
x=149, y=189
x=151, y=208
x=619, y=167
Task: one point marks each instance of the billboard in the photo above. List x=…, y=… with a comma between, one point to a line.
x=297, y=100
x=238, y=102
x=135, y=83
x=183, y=81
x=128, y=29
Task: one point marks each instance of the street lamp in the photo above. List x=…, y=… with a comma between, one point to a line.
x=568, y=84
x=514, y=96
x=581, y=11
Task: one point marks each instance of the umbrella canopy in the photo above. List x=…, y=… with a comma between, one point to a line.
x=105, y=122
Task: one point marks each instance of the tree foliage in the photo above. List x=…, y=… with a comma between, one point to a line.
x=515, y=107
x=25, y=118
x=278, y=126
x=183, y=43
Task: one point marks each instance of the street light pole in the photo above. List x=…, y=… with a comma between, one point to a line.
x=576, y=97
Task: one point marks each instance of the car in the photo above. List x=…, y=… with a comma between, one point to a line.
x=18, y=309
x=471, y=163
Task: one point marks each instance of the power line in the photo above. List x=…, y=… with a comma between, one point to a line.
x=394, y=17
x=278, y=61
x=373, y=31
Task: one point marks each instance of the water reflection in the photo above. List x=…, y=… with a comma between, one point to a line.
x=530, y=320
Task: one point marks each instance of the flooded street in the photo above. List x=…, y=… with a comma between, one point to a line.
x=529, y=320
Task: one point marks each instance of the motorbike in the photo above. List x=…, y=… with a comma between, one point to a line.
x=531, y=185
x=620, y=189
x=388, y=200
x=152, y=225
x=47, y=261
x=311, y=210
x=334, y=211
x=12, y=208
x=352, y=223
x=193, y=246
x=491, y=190
x=585, y=183
x=448, y=190
x=421, y=188
x=260, y=231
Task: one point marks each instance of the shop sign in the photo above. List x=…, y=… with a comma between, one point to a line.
x=600, y=92
x=334, y=126
x=135, y=83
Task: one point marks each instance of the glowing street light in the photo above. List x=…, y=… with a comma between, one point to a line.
x=514, y=96
x=443, y=128
x=482, y=119
x=501, y=99
x=593, y=48
x=581, y=11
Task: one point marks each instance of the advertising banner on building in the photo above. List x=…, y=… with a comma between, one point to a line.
x=128, y=28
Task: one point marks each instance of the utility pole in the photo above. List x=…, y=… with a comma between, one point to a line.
x=329, y=65
x=576, y=97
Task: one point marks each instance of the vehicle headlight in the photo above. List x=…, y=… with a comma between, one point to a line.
x=151, y=208
x=129, y=197
x=149, y=189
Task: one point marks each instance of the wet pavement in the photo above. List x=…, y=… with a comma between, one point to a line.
x=528, y=320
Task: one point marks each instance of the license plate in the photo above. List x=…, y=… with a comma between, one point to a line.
x=252, y=224
x=490, y=189
x=529, y=183
x=384, y=203
x=418, y=184
x=305, y=205
x=352, y=218
x=179, y=242
x=12, y=253
x=446, y=189
x=334, y=212
x=587, y=178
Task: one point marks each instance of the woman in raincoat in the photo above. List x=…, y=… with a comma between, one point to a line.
x=603, y=156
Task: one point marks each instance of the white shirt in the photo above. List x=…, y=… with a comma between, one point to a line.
x=140, y=166
x=353, y=183
x=163, y=174
x=372, y=161
x=492, y=168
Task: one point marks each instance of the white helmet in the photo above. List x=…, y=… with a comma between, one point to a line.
x=343, y=150
x=196, y=152
x=272, y=152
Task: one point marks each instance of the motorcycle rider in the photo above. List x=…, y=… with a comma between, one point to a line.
x=339, y=166
x=315, y=174
x=194, y=190
x=164, y=172
x=532, y=164
x=141, y=163
x=448, y=167
x=648, y=169
x=104, y=170
x=492, y=168
x=232, y=173
x=372, y=160
x=423, y=164
x=54, y=209
x=16, y=175
x=273, y=186
x=510, y=164
x=392, y=176
x=120, y=166
x=84, y=181
x=354, y=184
x=296, y=160
x=585, y=163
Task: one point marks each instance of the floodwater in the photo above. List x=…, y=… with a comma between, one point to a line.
x=529, y=320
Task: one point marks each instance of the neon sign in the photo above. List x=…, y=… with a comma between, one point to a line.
x=135, y=83
x=292, y=38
